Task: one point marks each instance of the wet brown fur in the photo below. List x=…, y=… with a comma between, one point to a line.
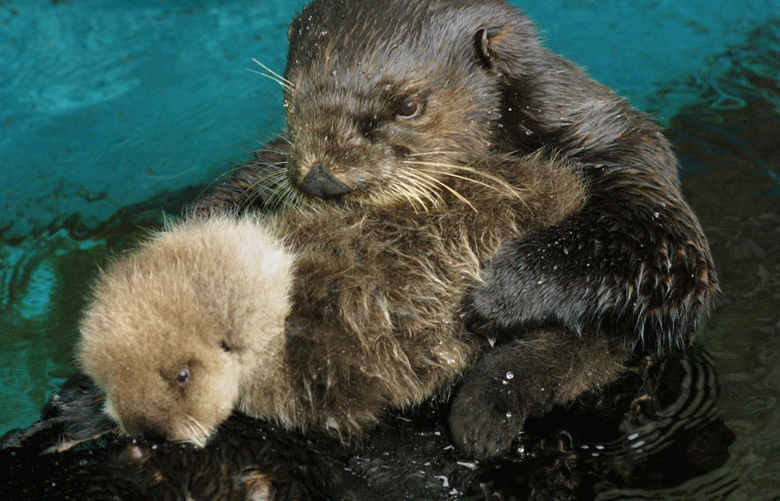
x=633, y=261
x=376, y=93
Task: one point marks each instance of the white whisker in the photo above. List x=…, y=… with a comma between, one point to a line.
x=433, y=153
x=431, y=181
x=425, y=184
x=500, y=182
x=196, y=433
x=272, y=75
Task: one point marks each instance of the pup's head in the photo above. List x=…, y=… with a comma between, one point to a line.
x=174, y=327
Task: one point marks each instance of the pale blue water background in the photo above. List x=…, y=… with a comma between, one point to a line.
x=104, y=105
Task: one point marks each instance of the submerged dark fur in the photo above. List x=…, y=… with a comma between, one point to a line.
x=372, y=86
x=653, y=429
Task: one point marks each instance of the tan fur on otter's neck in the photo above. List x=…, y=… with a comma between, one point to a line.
x=368, y=320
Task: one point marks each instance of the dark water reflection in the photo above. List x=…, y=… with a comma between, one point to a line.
x=734, y=185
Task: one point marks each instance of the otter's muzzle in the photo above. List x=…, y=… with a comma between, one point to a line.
x=319, y=182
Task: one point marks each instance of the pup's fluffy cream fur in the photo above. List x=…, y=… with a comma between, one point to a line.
x=178, y=327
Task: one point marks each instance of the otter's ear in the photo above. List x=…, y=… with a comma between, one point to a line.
x=482, y=47
x=512, y=49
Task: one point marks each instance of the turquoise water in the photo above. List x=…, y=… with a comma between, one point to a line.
x=112, y=111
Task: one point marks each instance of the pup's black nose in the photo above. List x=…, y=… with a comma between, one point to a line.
x=319, y=182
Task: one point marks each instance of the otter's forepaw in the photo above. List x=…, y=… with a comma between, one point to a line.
x=509, y=383
x=482, y=424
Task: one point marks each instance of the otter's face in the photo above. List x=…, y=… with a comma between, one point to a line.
x=385, y=114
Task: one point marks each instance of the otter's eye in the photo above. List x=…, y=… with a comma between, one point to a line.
x=409, y=109
x=183, y=376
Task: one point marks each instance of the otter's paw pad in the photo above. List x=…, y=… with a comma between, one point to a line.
x=481, y=423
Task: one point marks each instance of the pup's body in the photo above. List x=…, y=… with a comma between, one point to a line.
x=359, y=314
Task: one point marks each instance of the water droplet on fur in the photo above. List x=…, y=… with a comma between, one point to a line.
x=509, y=375
x=508, y=415
x=331, y=423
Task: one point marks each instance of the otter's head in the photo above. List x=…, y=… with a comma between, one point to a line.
x=175, y=327
x=386, y=101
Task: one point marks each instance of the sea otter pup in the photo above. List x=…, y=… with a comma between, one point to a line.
x=323, y=316
x=371, y=86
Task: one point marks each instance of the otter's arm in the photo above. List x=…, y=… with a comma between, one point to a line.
x=634, y=260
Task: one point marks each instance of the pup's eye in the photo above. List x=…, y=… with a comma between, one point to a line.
x=183, y=376
x=409, y=109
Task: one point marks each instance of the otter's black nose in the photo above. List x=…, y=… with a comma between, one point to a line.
x=319, y=182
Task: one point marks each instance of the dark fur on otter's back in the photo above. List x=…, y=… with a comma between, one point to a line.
x=370, y=86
